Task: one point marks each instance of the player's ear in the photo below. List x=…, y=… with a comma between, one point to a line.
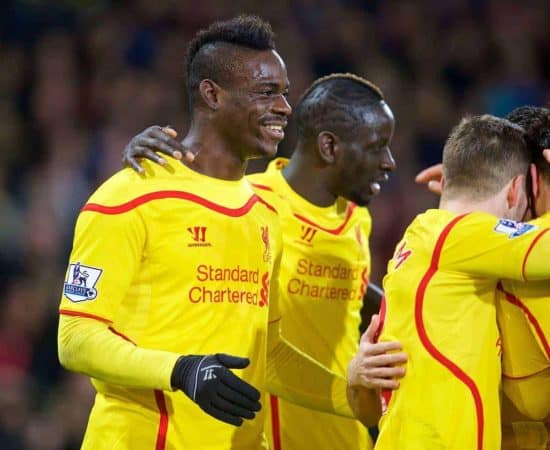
x=515, y=191
x=534, y=180
x=210, y=93
x=328, y=146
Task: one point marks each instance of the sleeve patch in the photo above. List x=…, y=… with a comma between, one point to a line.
x=80, y=282
x=513, y=229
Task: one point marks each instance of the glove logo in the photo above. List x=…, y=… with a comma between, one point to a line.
x=209, y=373
x=80, y=282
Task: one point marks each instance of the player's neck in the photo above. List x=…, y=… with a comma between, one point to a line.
x=215, y=158
x=307, y=182
x=462, y=205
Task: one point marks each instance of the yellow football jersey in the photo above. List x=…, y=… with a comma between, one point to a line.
x=177, y=261
x=440, y=304
x=523, y=313
x=323, y=277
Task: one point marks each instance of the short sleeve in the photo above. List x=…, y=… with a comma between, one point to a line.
x=107, y=251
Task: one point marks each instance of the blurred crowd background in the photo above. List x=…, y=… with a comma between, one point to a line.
x=79, y=78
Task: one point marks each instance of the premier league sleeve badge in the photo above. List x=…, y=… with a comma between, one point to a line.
x=80, y=282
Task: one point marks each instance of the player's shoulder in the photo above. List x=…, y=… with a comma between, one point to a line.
x=121, y=187
x=127, y=185
x=542, y=221
x=361, y=213
x=264, y=185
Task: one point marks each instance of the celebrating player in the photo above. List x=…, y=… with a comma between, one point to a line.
x=341, y=157
x=183, y=272
x=521, y=307
x=440, y=291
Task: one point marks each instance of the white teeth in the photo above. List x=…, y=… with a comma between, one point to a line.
x=275, y=127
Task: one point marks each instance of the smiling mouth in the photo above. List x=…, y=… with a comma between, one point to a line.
x=275, y=131
x=375, y=185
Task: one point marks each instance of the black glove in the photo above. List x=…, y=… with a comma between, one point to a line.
x=208, y=381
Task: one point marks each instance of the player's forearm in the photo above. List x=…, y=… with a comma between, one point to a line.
x=297, y=378
x=89, y=347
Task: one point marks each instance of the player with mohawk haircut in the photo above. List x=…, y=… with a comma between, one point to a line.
x=178, y=320
x=341, y=157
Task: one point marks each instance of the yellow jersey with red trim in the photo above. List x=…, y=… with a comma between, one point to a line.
x=323, y=278
x=440, y=304
x=523, y=313
x=161, y=258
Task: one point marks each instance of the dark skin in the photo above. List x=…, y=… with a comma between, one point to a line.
x=321, y=170
x=331, y=166
x=230, y=124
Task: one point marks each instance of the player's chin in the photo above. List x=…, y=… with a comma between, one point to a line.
x=361, y=199
x=267, y=149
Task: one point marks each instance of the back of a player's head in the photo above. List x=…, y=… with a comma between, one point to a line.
x=335, y=103
x=536, y=123
x=482, y=154
x=213, y=52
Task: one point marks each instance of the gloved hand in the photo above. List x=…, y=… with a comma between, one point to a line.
x=207, y=380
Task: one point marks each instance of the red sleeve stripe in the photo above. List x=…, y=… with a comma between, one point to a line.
x=334, y=231
x=430, y=347
x=530, y=317
x=68, y=312
x=275, y=425
x=529, y=251
x=123, y=336
x=159, y=195
x=163, y=420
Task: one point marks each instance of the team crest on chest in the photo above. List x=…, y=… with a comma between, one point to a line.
x=265, y=240
x=80, y=283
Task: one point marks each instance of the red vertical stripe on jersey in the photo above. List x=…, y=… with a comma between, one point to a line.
x=382, y=318
x=275, y=426
x=386, y=394
x=163, y=421
x=430, y=347
x=517, y=302
x=529, y=251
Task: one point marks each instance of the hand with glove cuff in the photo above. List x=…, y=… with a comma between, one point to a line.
x=208, y=381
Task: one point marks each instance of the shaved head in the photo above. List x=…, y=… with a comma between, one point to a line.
x=217, y=52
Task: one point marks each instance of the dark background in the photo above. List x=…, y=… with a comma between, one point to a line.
x=79, y=78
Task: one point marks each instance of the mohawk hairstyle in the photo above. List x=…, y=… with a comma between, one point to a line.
x=536, y=123
x=211, y=53
x=334, y=103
